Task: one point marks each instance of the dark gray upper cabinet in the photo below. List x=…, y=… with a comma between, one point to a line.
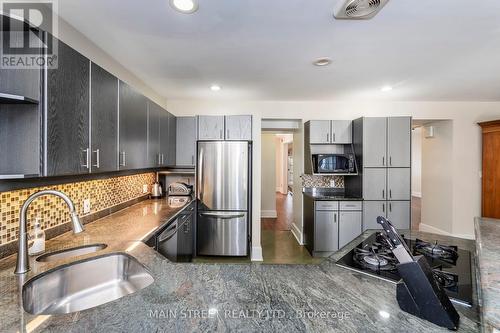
x=67, y=115
x=104, y=127
x=133, y=129
x=154, y=116
x=186, y=141
x=172, y=138
x=167, y=138
x=20, y=82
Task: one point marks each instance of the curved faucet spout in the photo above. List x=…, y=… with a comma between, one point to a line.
x=22, y=265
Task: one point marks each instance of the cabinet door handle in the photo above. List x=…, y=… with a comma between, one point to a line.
x=390, y=160
x=162, y=159
x=383, y=194
x=221, y=135
x=390, y=206
x=192, y=159
x=97, y=158
x=390, y=194
x=123, y=159
x=327, y=137
x=334, y=137
x=335, y=218
x=86, y=152
x=228, y=135
x=383, y=160
x=383, y=208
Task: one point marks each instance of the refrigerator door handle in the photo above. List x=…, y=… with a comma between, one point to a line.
x=224, y=216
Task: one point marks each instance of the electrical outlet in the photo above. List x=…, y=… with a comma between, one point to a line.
x=332, y=183
x=145, y=188
x=86, y=206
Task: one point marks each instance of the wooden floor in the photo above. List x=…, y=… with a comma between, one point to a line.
x=416, y=213
x=279, y=245
x=284, y=210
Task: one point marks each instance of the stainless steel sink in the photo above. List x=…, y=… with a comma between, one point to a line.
x=73, y=252
x=85, y=284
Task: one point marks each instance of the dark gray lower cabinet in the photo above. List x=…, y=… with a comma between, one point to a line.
x=186, y=141
x=133, y=129
x=104, y=127
x=67, y=115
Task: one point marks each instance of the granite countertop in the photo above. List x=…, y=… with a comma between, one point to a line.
x=488, y=262
x=220, y=297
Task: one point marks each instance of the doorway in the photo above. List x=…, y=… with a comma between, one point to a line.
x=279, y=245
x=432, y=183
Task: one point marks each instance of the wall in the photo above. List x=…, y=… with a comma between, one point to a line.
x=103, y=194
x=69, y=35
x=298, y=170
x=416, y=162
x=466, y=151
x=438, y=182
x=268, y=179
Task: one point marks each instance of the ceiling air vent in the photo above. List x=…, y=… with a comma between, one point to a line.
x=358, y=9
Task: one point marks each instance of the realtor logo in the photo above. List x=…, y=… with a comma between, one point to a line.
x=27, y=30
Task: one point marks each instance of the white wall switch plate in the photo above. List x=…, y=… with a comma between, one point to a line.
x=86, y=206
x=144, y=188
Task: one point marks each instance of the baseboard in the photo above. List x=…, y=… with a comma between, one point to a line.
x=268, y=214
x=297, y=234
x=416, y=194
x=256, y=253
x=428, y=228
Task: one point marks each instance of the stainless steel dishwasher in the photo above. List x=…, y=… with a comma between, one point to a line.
x=175, y=241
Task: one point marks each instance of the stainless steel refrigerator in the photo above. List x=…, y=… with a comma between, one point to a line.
x=223, y=192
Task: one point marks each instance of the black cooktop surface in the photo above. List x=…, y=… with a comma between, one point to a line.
x=451, y=266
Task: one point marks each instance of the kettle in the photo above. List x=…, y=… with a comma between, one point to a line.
x=156, y=190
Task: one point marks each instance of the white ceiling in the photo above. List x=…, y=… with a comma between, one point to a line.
x=428, y=50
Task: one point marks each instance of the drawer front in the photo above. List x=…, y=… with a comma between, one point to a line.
x=327, y=205
x=351, y=205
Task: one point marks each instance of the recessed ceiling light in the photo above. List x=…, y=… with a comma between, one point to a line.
x=215, y=87
x=386, y=89
x=322, y=62
x=184, y=6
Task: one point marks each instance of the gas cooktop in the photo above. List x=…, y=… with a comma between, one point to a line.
x=451, y=265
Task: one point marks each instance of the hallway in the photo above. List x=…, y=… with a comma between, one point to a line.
x=279, y=246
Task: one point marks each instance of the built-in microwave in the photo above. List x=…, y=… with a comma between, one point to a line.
x=333, y=164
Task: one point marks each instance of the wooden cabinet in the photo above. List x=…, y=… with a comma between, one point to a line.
x=319, y=131
x=374, y=142
x=399, y=184
x=238, y=128
x=67, y=114
x=104, y=124
x=399, y=142
x=398, y=212
x=186, y=141
x=350, y=226
x=326, y=231
x=20, y=82
x=491, y=169
x=154, y=135
x=330, y=132
x=375, y=184
x=133, y=120
x=210, y=127
x=168, y=142
x=372, y=210
x=341, y=132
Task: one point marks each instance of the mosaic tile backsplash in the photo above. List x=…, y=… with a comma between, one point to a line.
x=103, y=194
x=322, y=181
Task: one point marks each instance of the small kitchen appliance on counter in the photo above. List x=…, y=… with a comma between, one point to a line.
x=156, y=189
x=180, y=189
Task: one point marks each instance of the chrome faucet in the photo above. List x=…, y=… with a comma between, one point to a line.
x=22, y=265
